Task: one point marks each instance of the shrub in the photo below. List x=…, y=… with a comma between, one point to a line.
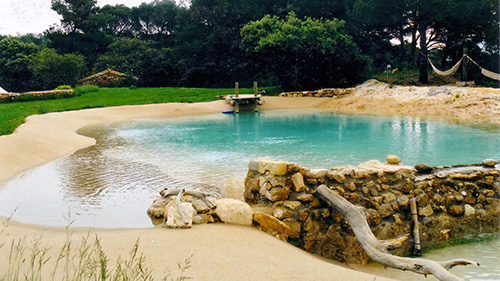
x=80, y=90
x=63, y=87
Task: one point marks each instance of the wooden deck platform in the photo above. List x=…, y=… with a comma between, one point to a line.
x=246, y=99
x=249, y=99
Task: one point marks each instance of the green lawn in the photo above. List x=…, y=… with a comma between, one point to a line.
x=13, y=114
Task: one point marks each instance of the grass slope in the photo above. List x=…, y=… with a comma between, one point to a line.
x=13, y=114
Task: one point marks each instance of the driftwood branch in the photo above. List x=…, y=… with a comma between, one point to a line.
x=198, y=194
x=178, y=193
x=179, y=207
x=378, y=250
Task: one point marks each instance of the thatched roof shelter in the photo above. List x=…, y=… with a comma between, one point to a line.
x=104, y=77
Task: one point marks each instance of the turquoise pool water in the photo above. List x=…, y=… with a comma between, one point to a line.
x=112, y=183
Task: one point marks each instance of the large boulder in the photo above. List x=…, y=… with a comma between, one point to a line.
x=233, y=211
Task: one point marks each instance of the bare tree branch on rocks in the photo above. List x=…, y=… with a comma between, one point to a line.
x=179, y=193
x=198, y=194
x=378, y=250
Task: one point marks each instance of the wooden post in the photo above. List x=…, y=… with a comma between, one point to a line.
x=237, y=101
x=417, y=251
x=256, y=109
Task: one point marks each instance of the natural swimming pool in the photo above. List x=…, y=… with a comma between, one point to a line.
x=112, y=183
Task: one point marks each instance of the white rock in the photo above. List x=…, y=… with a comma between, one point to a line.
x=489, y=162
x=233, y=188
x=469, y=210
x=233, y=211
x=174, y=219
x=317, y=173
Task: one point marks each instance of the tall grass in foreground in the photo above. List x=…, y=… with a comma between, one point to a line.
x=30, y=261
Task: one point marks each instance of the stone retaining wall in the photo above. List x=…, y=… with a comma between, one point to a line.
x=323, y=93
x=452, y=202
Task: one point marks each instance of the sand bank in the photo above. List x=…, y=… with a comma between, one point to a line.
x=220, y=252
x=464, y=105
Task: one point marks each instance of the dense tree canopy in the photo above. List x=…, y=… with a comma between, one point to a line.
x=296, y=43
x=304, y=54
x=444, y=25
x=15, y=59
x=25, y=67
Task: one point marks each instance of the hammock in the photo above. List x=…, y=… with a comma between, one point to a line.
x=448, y=72
x=490, y=74
x=453, y=70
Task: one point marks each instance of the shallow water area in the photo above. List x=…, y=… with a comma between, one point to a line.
x=484, y=249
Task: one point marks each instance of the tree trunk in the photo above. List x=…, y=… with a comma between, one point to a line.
x=423, y=77
x=377, y=250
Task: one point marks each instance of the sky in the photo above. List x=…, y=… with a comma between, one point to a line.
x=18, y=17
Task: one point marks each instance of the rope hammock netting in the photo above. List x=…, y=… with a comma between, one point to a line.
x=453, y=70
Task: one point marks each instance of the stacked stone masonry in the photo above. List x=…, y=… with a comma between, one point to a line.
x=323, y=93
x=452, y=202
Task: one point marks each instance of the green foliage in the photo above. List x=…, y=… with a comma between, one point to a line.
x=80, y=90
x=198, y=45
x=76, y=14
x=51, y=69
x=449, y=26
x=63, y=87
x=304, y=54
x=15, y=60
x=139, y=58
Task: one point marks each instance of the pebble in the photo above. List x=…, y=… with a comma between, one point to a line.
x=423, y=168
x=489, y=162
x=392, y=159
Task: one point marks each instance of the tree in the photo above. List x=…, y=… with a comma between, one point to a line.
x=51, y=69
x=15, y=60
x=143, y=59
x=326, y=9
x=429, y=24
x=115, y=20
x=156, y=21
x=304, y=54
x=79, y=31
x=76, y=14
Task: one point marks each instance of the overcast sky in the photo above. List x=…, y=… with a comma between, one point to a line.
x=18, y=17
